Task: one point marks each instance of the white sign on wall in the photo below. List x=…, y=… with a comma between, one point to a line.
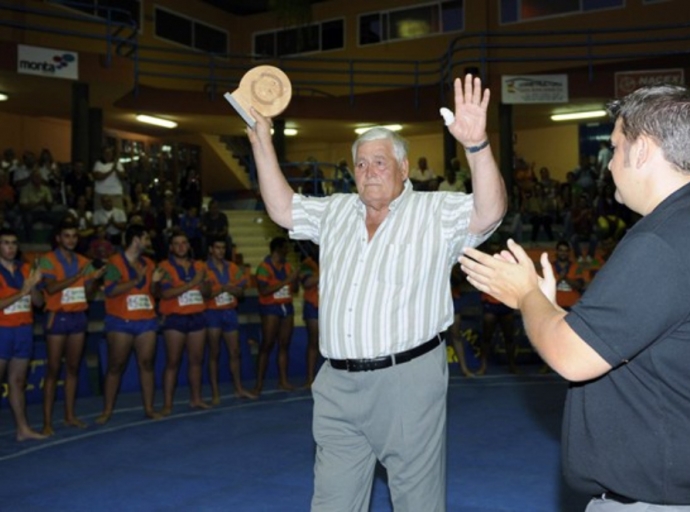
x=628, y=81
x=33, y=60
x=534, y=88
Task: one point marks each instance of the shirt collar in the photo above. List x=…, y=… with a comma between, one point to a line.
x=395, y=204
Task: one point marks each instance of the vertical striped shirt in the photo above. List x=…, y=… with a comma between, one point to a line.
x=392, y=293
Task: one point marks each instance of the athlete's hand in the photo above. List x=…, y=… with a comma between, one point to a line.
x=157, y=275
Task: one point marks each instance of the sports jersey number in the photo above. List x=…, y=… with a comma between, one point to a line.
x=223, y=299
x=23, y=305
x=283, y=293
x=138, y=302
x=190, y=298
x=73, y=295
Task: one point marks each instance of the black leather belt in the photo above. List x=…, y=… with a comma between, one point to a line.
x=367, y=365
x=612, y=496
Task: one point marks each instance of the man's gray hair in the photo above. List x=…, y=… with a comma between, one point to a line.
x=661, y=112
x=400, y=145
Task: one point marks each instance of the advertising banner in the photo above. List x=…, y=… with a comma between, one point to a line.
x=33, y=60
x=534, y=89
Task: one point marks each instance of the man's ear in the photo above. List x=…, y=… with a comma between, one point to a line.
x=405, y=168
x=642, y=150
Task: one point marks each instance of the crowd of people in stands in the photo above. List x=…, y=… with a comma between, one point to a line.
x=38, y=192
x=582, y=209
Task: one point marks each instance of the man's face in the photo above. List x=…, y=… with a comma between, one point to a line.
x=144, y=242
x=179, y=246
x=8, y=247
x=562, y=253
x=67, y=239
x=378, y=174
x=218, y=250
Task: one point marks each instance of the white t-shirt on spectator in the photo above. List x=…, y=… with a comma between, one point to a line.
x=101, y=218
x=21, y=172
x=111, y=186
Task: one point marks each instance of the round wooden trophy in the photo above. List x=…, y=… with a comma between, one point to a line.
x=266, y=88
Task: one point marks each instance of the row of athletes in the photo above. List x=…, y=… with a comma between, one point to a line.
x=196, y=301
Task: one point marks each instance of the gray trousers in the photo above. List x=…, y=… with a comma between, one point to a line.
x=601, y=505
x=396, y=415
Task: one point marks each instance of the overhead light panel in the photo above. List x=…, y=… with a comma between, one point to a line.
x=157, y=121
x=391, y=127
x=4, y=97
x=573, y=116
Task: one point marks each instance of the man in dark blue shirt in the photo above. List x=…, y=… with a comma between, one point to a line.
x=626, y=344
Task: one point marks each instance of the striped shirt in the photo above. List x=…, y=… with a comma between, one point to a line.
x=392, y=293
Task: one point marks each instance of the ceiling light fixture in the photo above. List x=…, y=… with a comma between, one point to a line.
x=4, y=97
x=572, y=116
x=288, y=132
x=391, y=127
x=157, y=121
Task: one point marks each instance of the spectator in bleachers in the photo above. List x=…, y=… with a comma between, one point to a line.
x=451, y=183
x=346, y=181
x=36, y=204
x=167, y=221
x=603, y=158
x=142, y=173
x=114, y=219
x=462, y=173
x=181, y=292
x=190, y=189
x=83, y=217
x=312, y=184
x=21, y=174
x=227, y=283
x=52, y=177
x=130, y=321
x=582, y=215
x=214, y=224
x=69, y=281
x=79, y=183
x=277, y=282
x=586, y=176
x=7, y=194
x=9, y=161
x=538, y=211
x=136, y=192
x=144, y=210
x=109, y=177
x=424, y=178
x=551, y=189
x=18, y=295
x=190, y=223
